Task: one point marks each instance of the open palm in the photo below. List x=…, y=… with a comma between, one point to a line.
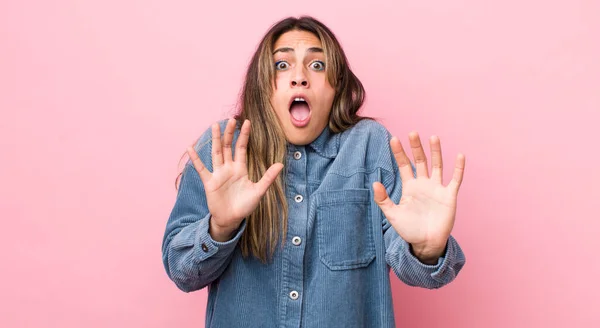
x=230, y=194
x=425, y=215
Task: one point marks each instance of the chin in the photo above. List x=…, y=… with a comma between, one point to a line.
x=299, y=140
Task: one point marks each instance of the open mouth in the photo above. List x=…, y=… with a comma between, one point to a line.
x=299, y=111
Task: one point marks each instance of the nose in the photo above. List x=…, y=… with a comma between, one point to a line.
x=299, y=79
x=303, y=82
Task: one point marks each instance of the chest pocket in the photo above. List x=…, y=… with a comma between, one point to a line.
x=344, y=230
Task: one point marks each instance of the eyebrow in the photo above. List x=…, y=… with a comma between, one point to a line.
x=288, y=49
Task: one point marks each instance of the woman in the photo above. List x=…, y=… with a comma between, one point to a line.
x=311, y=245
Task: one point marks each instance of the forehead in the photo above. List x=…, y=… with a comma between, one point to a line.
x=295, y=39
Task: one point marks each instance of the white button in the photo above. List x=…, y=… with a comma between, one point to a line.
x=298, y=198
x=294, y=295
x=297, y=155
x=296, y=240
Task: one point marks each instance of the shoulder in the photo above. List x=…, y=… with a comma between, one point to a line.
x=365, y=146
x=369, y=133
x=369, y=127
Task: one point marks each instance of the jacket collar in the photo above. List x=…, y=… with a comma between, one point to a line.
x=327, y=143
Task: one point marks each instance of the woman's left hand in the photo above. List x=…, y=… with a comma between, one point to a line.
x=425, y=215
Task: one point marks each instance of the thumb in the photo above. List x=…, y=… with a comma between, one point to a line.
x=267, y=180
x=381, y=197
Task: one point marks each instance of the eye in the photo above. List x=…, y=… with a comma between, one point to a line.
x=281, y=65
x=317, y=65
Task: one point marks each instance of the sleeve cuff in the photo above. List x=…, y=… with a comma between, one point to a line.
x=437, y=270
x=206, y=247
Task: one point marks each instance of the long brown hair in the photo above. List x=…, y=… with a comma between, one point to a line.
x=267, y=142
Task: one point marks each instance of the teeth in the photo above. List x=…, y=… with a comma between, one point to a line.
x=299, y=99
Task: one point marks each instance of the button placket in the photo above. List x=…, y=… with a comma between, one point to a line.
x=292, y=273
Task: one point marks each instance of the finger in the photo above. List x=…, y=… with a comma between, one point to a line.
x=406, y=172
x=436, y=159
x=217, y=150
x=228, y=139
x=268, y=178
x=198, y=165
x=418, y=154
x=381, y=197
x=242, y=143
x=457, y=177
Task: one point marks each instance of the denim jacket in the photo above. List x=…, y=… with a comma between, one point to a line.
x=333, y=268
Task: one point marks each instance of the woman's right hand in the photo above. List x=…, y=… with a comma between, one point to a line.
x=230, y=195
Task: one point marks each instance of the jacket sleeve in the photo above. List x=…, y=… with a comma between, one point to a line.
x=190, y=256
x=398, y=255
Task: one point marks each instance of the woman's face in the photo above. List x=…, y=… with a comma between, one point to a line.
x=302, y=96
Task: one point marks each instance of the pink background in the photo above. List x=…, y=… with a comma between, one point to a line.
x=99, y=99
